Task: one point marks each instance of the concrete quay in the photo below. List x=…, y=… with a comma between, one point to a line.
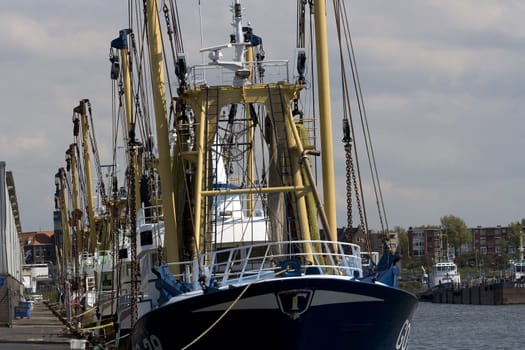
x=42, y=331
x=495, y=293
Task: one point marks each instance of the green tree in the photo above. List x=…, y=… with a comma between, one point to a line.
x=456, y=230
x=403, y=247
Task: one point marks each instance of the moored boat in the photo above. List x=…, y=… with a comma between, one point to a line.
x=444, y=273
x=246, y=262
x=290, y=306
x=218, y=235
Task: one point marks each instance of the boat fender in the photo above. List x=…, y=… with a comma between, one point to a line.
x=289, y=268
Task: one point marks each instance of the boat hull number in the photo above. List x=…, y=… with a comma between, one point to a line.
x=402, y=338
x=149, y=343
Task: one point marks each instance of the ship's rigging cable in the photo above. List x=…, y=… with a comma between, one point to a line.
x=138, y=92
x=343, y=29
x=142, y=114
x=94, y=150
x=301, y=10
x=117, y=225
x=80, y=179
x=174, y=33
x=133, y=233
x=173, y=27
x=115, y=117
x=165, y=58
x=352, y=183
x=140, y=124
x=236, y=132
x=302, y=43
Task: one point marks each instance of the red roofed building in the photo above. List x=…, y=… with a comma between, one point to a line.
x=39, y=261
x=39, y=247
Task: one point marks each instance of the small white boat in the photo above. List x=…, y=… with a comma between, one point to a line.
x=444, y=273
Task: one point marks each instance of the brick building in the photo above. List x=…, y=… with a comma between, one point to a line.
x=490, y=240
x=430, y=242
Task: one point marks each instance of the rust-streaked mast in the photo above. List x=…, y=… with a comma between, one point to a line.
x=66, y=260
x=64, y=215
x=128, y=100
x=81, y=109
x=77, y=212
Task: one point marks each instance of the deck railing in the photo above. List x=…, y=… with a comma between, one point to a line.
x=264, y=260
x=217, y=75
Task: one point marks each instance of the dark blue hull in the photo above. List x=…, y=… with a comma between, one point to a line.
x=287, y=313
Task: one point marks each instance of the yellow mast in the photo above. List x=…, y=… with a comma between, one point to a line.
x=66, y=233
x=250, y=138
x=325, y=116
x=76, y=201
x=76, y=215
x=66, y=239
x=200, y=144
x=128, y=99
x=92, y=238
x=171, y=241
x=127, y=85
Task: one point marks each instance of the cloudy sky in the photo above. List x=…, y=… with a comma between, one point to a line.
x=443, y=83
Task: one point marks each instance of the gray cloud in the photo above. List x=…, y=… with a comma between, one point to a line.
x=442, y=83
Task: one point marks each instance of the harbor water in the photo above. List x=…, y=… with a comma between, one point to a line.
x=465, y=327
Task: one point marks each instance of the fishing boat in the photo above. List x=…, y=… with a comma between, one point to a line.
x=246, y=251
x=444, y=273
x=517, y=267
x=444, y=270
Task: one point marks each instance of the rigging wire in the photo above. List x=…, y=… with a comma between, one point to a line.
x=174, y=34
x=176, y=29
x=201, y=32
x=352, y=183
x=342, y=20
x=94, y=150
x=307, y=43
x=301, y=10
